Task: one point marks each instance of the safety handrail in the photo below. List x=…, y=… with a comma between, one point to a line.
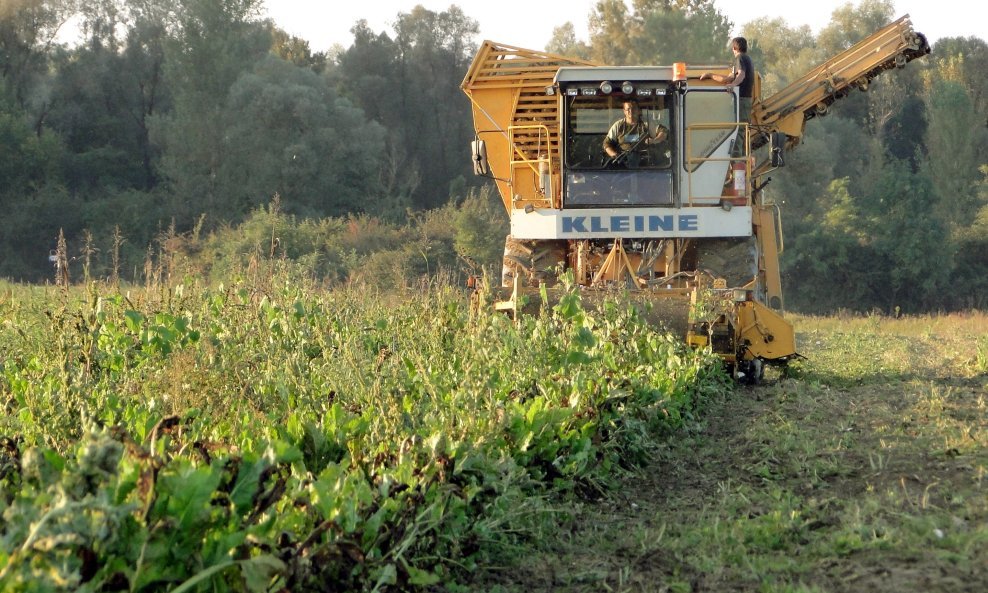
x=743, y=131
x=544, y=158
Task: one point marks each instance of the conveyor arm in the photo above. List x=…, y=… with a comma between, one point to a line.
x=787, y=111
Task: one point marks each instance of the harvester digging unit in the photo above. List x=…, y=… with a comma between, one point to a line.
x=680, y=224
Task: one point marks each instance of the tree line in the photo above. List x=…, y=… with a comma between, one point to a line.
x=178, y=120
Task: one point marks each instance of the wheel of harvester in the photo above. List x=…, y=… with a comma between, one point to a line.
x=751, y=372
x=532, y=262
x=517, y=261
x=548, y=260
x=746, y=372
x=734, y=260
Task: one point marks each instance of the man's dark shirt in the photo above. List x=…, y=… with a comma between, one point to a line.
x=744, y=63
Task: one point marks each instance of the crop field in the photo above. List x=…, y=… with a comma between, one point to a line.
x=272, y=436
x=864, y=469
x=268, y=435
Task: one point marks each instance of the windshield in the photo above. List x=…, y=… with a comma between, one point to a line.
x=637, y=130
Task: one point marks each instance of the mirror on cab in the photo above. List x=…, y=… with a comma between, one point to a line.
x=479, y=149
x=776, y=147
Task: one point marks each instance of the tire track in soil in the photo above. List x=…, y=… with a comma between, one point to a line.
x=622, y=541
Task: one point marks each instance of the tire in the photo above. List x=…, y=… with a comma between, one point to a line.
x=747, y=372
x=734, y=260
x=533, y=262
x=754, y=372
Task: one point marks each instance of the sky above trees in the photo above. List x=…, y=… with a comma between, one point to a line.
x=530, y=24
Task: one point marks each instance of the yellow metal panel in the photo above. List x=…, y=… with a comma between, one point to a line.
x=766, y=332
x=506, y=85
x=768, y=246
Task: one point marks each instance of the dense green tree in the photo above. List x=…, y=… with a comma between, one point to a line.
x=435, y=51
x=101, y=20
x=168, y=109
x=294, y=137
x=31, y=194
x=658, y=32
x=99, y=109
x=27, y=161
x=296, y=50
x=565, y=43
x=827, y=247
x=105, y=92
x=611, y=31
x=480, y=226
x=411, y=86
x=215, y=42
x=912, y=243
x=873, y=250
x=903, y=131
x=970, y=278
x=956, y=142
x=832, y=148
x=368, y=74
x=781, y=53
x=144, y=61
x=28, y=29
x=850, y=24
x=965, y=60
x=32, y=198
x=698, y=34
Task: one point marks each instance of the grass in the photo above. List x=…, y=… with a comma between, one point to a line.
x=862, y=469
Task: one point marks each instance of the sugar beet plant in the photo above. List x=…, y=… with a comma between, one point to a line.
x=273, y=438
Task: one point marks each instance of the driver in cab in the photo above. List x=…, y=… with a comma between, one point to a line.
x=631, y=136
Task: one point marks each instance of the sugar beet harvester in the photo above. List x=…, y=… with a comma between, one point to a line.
x=681, y=224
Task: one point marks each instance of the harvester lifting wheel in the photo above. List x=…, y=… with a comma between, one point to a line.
x=734, y=260
x=532, y=262
x=749, y=372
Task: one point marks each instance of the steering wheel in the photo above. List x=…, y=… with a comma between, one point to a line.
x=618, y=159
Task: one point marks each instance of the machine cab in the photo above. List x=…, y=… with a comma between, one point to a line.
x=667, y=155
x=631, y=115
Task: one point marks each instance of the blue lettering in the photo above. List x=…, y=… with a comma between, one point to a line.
x=637, y=223
x=656, y=223
x=573, y=224
x=688, y=222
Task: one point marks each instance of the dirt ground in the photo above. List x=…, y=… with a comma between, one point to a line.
x=866, y=480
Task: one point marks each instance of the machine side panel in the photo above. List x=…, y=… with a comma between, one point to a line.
x=511, y=111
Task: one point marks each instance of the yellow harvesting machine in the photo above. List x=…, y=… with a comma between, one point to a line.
x=680, y=225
